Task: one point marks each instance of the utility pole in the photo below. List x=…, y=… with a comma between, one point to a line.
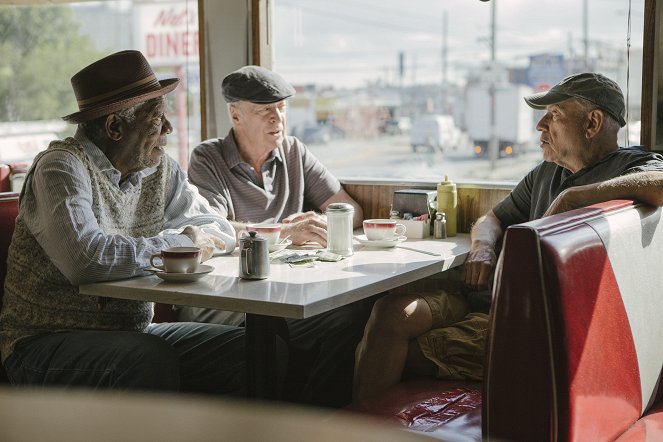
x=445, y=92
x=492, y=144
x=401, y=79
x=585, y=33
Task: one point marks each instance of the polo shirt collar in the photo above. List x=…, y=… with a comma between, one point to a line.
x=231, y=152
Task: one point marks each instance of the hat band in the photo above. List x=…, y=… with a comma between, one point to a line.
x=144, y=85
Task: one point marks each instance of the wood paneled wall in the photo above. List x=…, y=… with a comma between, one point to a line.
x=473, y=200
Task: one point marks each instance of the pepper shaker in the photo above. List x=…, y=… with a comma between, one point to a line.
x=440, y=226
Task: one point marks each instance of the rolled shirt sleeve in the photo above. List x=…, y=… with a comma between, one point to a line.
x=64, y=224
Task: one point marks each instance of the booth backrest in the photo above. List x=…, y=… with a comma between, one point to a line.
x=575, y=343
x=5, y=183
x=8, y=213
x=574, y=350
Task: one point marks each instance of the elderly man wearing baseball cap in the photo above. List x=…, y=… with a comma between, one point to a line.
x=257, y=173
x=583, y=164
x=95, y=207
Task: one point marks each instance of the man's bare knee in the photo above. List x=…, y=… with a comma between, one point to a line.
x=400, y=316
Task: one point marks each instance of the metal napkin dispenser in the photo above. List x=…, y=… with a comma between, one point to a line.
x=414, y=201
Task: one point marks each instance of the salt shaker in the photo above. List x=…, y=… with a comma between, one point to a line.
x=339, y=228
x=440, y=226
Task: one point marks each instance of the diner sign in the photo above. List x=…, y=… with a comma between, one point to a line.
x=167, y=33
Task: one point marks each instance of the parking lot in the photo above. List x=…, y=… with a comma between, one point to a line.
x=392, y=157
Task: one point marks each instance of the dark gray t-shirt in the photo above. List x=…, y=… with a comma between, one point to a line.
x=293, y=180
x=533, y=195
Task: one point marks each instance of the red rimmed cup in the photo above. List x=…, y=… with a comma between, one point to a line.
x=177, y=260
x=381, y=229
x=271, y=232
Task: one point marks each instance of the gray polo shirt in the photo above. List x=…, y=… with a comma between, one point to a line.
x=533, y=195
x=293, y=180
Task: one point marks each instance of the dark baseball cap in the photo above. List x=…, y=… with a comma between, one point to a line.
x=255, y=84
x=595, y=88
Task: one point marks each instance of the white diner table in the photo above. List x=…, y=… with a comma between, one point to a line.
x=291, y=291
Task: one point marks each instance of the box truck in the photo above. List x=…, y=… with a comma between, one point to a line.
x=514, y=119
x=434, y=132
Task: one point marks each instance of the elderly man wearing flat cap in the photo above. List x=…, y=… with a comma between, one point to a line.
x=95, y=207
x=259, y=174
x=583, y=164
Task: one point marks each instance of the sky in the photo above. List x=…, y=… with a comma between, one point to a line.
x=347, y=43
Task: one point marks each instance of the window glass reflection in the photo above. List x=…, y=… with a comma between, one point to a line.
x=404, y=90
x=42, y=46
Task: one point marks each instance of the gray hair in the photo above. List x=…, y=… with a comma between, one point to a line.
x=95, y=129
x=609, y=123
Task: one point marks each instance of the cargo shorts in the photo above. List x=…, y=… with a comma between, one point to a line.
x=457, y=340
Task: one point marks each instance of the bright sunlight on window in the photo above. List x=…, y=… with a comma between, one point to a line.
x=423, y=88
x=44, y=45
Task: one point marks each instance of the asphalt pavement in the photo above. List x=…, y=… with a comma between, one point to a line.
x=393, y=158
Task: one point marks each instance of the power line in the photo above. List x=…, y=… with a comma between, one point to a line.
x=354, y=19
x=399, y=14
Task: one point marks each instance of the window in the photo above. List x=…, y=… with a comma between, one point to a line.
x=46, y=44
x=394, y=89
x=386, y=89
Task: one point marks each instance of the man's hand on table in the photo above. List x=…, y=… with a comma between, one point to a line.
x=305, y=227
x=478, y=269
x=205, y=241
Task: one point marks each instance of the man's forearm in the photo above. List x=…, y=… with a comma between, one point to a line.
x=646, y=187
x=481, y=260
x=486, y=231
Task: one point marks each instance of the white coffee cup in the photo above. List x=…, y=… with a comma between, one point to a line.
x=177, y=259
x=380, y=229
x=271, y=232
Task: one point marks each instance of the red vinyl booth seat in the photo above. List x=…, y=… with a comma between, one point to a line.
x=8, y=214
x=574, y=345
x=5, y=184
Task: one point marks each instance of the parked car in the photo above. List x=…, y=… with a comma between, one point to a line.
x=397, y=126
x=315, y=135
x=319, y=133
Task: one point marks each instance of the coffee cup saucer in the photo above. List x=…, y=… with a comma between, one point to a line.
x=202, y=270
x=381, y=243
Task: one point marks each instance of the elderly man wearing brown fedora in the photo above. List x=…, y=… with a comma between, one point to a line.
x=95, y=207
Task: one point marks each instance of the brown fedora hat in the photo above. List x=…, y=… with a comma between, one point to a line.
x=113, y=83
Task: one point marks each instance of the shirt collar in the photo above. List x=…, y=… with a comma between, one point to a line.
x=231, y=152
x=103, y=164
x=586, y=169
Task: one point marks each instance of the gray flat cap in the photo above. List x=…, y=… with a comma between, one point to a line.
x=255, y=84
x=592, y=87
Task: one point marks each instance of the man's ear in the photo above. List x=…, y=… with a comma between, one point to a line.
x=595, y=121
x=234, y=113
x=114, y=127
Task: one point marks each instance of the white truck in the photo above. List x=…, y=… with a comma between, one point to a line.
x=434, y=132
x=514, y=119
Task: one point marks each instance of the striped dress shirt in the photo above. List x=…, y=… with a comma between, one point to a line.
x=56, y=206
